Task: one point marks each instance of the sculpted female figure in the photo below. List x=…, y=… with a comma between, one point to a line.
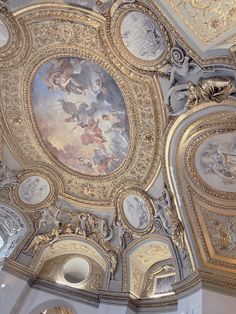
x=170, y=219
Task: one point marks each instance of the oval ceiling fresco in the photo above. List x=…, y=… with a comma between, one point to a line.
x=81, y=116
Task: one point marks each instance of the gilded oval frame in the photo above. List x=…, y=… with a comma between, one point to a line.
x=122, y=216
x=122, y=50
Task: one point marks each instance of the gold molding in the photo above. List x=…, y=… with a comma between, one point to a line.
x=96, y=191
x=193, y=191
x=134, y=190
x=53, y=182
x=115, y=42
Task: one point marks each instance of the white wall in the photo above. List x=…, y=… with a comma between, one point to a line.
x=12, y=289
x=38, y=300
x=16, y=297
x=216, y=303
x=191, y=304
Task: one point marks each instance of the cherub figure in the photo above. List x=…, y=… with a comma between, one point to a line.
x=49, y=215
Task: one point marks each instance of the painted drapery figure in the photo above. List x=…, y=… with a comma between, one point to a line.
x=83, y=120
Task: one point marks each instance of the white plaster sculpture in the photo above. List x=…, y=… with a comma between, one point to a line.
x=7, y=177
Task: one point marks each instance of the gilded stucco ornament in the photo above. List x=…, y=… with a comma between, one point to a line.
x=208, y=157
x=206, y=90
x=143, y=47
x=135, y=210
x=191, y=84
x=145, y=124
x=213, y=18
x=140, y=256
x=79, y=224
x=36, y=188
x=13, y=228
x=166, y=212
x=61, y=34
x=222, y=231
x=16, y=42
x=203, y=172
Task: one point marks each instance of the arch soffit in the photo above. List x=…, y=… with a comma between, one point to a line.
x=18, y=228
x=64, y=246
x=199, y=204
x=48, y=304
x=141, y=255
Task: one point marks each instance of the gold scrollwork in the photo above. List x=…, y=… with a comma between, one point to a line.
x=18, y=47
x=145, y=124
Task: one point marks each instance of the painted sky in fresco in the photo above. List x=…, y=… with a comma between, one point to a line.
x=81, y=115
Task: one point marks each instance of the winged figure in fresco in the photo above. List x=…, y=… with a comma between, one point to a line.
x=70, y=75
x=78, y=76
x=60, y=75
x=81, y=115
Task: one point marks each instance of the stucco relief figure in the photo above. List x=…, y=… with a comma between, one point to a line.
x=113, y=259
x=141, y=37
x=182, y=67
x=43, y=239
x=166, y=212
x=49, y=215
x=121, y=230
x=191, y=84
x=7, y=177
x=213, y=89
x=74, y=224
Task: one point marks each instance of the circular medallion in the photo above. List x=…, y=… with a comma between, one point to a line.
x=215, y=161
x=4, y=34
x=135, y=210
x=141, y=37
x=33, y=190
x=81, y=115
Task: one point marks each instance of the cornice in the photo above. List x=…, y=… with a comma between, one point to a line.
x=89, y=297
x=205, y=280
x=19, y=270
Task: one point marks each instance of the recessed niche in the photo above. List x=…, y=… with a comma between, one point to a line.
x=76, y=270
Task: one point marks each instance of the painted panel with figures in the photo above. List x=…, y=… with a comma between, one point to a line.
x=81, y=116
x=4, y=34
x=136, y=211
x=141, y=37
x=33, y=190
x=216, y=162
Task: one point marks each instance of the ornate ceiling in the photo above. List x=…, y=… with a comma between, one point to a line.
x=118, y=145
